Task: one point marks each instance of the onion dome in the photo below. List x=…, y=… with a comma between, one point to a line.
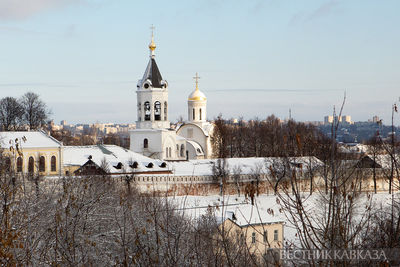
x=197, y=95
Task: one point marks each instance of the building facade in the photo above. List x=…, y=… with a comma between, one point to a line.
x=32, y=153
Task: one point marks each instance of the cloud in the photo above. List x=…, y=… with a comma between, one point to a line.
x=22, y=9
x=71, y=31
x=323, y=10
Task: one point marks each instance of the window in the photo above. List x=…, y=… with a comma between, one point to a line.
x=145, y=143
x=253, y=238
x=265, y=236
x=166, y=152
x=200, y=114
x=165, y=110
x=42, y=164
x=276, y=235
x=147, y=111
x=157, y=111
x=31, y=165
x=170, y=154
x=19, y=164
x=53, y=164
x=194, y=114
x=139, y=112
x=182, y=150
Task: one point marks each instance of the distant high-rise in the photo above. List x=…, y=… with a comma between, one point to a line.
x=330, y=119
x=346, y=119
x=63, y=122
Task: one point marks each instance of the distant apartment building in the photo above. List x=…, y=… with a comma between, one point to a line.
x=375, y=119
x=344, y=119
x=347, y=119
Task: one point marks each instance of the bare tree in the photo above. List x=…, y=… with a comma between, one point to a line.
x=35, y=110
x=237, y=171
x=11, y=112
x=257, y=172
x=220, y=170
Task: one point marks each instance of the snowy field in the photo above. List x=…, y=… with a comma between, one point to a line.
x=265, y=209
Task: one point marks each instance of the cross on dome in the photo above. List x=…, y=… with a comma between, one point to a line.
x=152, y=45
x=196, y=78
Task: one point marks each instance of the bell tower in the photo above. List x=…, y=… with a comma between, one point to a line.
x=152, y=95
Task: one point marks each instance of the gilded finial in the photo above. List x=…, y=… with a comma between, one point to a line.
x=152, y=45
x=196, y=78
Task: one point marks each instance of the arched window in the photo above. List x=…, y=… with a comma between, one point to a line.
x=31, y=165
x=165, y=111
x=53, y=164
x=145, y=143
x=194, y=114
x=19, y=164
x=42, y=164
x=182, y=150
x=157, y=111
x=139, y=112
x=170, y=154
x=200, y=114
x=147, y=111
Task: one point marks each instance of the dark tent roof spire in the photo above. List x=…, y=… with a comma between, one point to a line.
x=152, y=72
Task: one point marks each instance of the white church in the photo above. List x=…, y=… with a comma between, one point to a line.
x=153, y=136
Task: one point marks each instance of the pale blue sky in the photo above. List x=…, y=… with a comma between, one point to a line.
x=255, y=58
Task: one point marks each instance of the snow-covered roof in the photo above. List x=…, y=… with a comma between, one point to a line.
x=385, y=161
x=111, y=155
x=247, y=214
x=265, y=209
x=197, y=147
x=356, y=148
x=178, y=137
x=206, y=129
x=37, y=139
x=247, y=165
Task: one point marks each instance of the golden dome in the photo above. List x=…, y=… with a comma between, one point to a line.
x=197, y=95
x=152, y=45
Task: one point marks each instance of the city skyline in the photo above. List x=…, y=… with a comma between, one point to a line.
x=256, y=58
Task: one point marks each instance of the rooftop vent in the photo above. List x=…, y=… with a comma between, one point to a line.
x=119, y=166
x=134, y=165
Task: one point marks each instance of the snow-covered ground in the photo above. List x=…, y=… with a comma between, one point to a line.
x=265, y=209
